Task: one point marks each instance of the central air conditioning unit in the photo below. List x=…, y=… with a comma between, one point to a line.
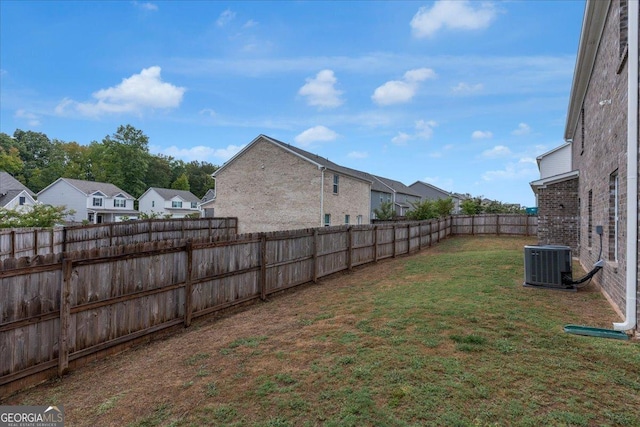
x=548, y=266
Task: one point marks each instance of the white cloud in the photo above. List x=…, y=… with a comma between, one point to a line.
x=146, y=6
x=321, y=92
x=401, y=139
x=402, y=91
x=467, y=89
x=250, y=23
x=225, y=17
x=482, y=134
x=521, y=170
x=315, y=134
x=523, y=129
x=140, y=92
x=456, y=15
x=207, y=112
x=423, y=130
x=358, y=155
x=31, y=118
x=496, y=152
x=201, y=152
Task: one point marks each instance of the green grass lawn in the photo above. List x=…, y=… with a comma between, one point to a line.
x=446, y=337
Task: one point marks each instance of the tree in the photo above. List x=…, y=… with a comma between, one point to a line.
x=444, y=207
x=385, y=212
x=181, y=183
x=39, y=216
x=422, y=210
x=471, y=206
x=125, y=159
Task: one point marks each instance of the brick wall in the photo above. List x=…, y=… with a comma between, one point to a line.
x=598, y=152
x=558, y=217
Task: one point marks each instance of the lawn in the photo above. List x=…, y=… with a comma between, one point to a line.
x=445, y=337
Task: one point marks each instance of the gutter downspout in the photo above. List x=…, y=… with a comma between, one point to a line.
x=322, y=169
x=632, y=172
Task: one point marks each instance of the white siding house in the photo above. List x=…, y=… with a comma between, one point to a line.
x=96, y=202
x=166, y=202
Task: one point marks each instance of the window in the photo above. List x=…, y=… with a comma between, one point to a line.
x=327, y=220
x=22, y=200
x=582, y=130
x=97, y=201
x=153, y=203
x=176, y=204
x=359, y=219
x=336, y=181
x=194, y=205
x=590, y=219
x=119, y=203
x=614, y=206
x=347, y=218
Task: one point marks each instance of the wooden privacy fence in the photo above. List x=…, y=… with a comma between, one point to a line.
x=498, y=224
x=17, y=243
x=54, y=315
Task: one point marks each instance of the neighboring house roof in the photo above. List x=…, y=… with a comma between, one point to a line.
x=90, y=187
x=416, y=185
x=397, y=186
x=593, y=22
x=310, y=157
x=209, y=195
x=10, y=188
x=169, y=193
x=7, y=183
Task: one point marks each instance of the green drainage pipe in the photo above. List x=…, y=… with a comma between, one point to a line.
x=595, y=332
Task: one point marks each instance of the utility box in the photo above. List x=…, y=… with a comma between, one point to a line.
x=548, y=266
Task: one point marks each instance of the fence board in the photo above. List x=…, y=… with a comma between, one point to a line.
x=115, y=294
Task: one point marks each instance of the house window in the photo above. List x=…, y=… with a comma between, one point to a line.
x=327, y=220
x=590, y=219
x=194, y=205
x=176, y=204
x=614, y=205
x=581, y=130
x=97, y=201
x=347, y=218
x=22, y=200
x=153, y=203
x=119, y=203
x=336, y=181
x=359, y=219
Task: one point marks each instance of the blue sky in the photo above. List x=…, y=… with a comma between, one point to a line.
x=461, y=94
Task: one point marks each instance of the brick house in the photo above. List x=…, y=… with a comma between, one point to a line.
x=270, y=185
x=557, y=198
x=601, y=189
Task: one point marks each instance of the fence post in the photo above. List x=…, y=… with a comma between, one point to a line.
x=150, y=232
x=394, y=241
x=13, y=243
x=420, y=236
x=35, y=242
x=409, y=238
x=349, y=248
x=497, y=224
x=188, y=301
x=375, y=243
x=472, y=224
x=65, y=317
x=263, y=266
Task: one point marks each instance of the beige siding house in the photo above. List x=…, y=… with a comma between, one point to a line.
x=271, y=185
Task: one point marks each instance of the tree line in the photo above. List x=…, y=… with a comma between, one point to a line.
x=122, y=159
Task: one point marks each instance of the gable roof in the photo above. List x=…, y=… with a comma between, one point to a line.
x=423, y=184
x=310, y=157
x=209, y=195
x=90, y=187
x=9, y=183
x=169, y=193
x=397, y=186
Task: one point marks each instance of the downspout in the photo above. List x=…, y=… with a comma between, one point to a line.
x=322, y=169
x=632, y=172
